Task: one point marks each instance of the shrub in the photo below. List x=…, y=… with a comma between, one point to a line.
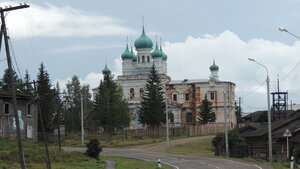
x=93, y=148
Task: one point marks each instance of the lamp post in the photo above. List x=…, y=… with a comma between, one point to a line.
x=269, y=112
x=281, y=29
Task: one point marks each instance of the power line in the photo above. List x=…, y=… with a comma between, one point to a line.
x=14, y=56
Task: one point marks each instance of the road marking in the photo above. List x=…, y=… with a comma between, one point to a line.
x=258, y=166
x=170, y=165
x=243, y=163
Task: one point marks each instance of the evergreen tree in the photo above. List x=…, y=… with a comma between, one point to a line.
x=74, y=103
x=5, y=82
x=238, y=114
x=207, y=113
x=152, y=111
x=110, y=109
x=46, y=96
x=28, y=89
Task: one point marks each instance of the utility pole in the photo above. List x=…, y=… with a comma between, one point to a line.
x=48, y=163
x=82, y=127
x=226, y=129
x=167, y=123
x=239, y=117
x=12, y=82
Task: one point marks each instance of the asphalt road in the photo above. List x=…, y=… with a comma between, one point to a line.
x=178, y=161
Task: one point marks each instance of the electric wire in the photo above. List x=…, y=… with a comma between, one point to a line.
x=14, y=56
x=294, y=68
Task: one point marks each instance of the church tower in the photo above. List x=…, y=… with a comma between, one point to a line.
x=214, y=71
x=135, y=71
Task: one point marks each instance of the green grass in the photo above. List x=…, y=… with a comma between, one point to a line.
x=197, y=148
x=125, y=163
x=35, y=157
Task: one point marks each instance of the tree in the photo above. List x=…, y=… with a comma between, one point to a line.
x=153, y=107
x=46, y=98
x=5, y=83
x=28, y=89
x=238, y=114
x=110, y=109
x=74, y=103
x=207, y=113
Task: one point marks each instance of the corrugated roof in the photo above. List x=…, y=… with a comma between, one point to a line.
x=278, y=127
x=7, y=94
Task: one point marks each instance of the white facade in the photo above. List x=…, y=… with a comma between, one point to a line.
x=189, y=93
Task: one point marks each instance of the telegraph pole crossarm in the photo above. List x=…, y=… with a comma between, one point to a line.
x=11, y=78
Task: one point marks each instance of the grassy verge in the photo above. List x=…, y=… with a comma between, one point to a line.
x=197, y=148
x=125, y=163
x=35, y=157
x=116, y=142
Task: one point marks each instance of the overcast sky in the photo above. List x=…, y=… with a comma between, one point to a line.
x=73, y=37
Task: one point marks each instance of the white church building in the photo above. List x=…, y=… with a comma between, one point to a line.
x=184, y=96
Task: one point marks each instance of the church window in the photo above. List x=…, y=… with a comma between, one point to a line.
x=189, y=117
x=174, y=97
x=148, y=59
x=143, y=59
x=187, y=97
x=141, y=92
x=131, y=93
x=211, y=96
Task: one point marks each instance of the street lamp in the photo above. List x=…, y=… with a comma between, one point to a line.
x=269, y=112
x=281, y=29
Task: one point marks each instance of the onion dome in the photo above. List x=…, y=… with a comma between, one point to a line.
x=164, y=56
x=143, y=41
x=127, y=54
x=156, y=53
x=214, y=67
x=105, y=70
x=134, y=56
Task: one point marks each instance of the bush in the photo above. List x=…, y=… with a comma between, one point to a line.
x=93, y=148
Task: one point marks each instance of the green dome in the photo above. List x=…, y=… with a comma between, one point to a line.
x=214, y=67
x=143, y=41
x=105, y=70
x=164, y=56
x=127, y=54
x=156, y=53
x=134, y=56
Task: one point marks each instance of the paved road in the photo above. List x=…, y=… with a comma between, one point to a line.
x=178, y=161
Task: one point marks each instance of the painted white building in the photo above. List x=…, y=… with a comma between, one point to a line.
x=184, y=96
x=135, y=71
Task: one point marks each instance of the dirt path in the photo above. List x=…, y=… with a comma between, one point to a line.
x=161, y=145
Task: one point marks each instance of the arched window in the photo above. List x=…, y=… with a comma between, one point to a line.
x=148, y=59
x=141, y=92
x=131, y=93
x=143, y=59
x=189, y=117
x=139, y=60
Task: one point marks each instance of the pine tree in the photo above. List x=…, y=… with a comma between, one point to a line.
x=46, y=96
x=207, y=113
x=110, y=109
x=5, y=83
x=73, y=100
x=28, y=89
x=152, y=111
